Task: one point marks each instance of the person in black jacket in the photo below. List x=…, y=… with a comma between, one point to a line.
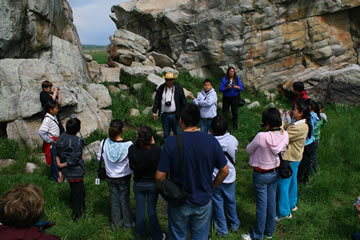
x=69, y=159
x=169, y=100
x=144, y=157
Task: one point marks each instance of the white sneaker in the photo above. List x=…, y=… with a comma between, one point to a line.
x=164, y=236
x=246, y=236
x=278, y=219
x=268, y=237
x=294, y=208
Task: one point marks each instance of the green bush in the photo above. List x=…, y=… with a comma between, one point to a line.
x=8, y=148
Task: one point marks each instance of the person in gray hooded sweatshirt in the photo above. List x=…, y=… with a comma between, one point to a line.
x=224, y=195
x=207, y=101
x=114, y=150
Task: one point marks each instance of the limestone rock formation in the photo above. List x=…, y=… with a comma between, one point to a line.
x=39, y=42
x=267, y=41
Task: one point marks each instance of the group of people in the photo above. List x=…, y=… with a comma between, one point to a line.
x=208, y=160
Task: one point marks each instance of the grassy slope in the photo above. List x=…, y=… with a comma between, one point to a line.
x=325, y=210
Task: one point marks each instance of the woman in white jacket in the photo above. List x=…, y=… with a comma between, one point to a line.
x=114, y=150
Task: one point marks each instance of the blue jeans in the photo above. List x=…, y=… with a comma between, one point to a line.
x=188, y=217
x=223, y=200
x=265, y=191
x=145, y=192
x=205, y=124
x=120, y=203
x=54, y=167
x=170, y=122
x=288, y=191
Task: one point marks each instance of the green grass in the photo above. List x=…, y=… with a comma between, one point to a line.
x=325, y=205
x=98, y=56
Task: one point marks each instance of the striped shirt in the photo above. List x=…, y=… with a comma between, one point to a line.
x=50, y=125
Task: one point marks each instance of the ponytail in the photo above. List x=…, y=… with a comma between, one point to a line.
x=304, y=109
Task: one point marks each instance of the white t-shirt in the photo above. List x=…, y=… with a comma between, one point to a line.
x=168, y=95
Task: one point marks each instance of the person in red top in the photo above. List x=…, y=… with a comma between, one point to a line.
x=21, y=209
x=299, y=91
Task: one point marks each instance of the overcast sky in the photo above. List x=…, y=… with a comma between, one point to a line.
x=92, y=21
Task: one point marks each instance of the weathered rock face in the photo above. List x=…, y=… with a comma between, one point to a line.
x=39, y=42
x=267, y=41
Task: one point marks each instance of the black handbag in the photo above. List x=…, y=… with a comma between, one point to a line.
x=171, y=191
x=101, y=173
x=285, y=170
x=241, y=102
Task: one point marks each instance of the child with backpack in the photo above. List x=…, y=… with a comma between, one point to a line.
x=207, y=101
x=49, y=132
x=224, y=195
x=69, y=159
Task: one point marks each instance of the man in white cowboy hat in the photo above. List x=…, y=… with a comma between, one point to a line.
x=169, y=100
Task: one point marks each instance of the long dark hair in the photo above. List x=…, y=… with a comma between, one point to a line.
x=302, y=107
x=313, y=106
x=51, y=104
x=145, y=135
x=228, y=75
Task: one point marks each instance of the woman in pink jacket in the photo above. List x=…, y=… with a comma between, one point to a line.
x=264, y=159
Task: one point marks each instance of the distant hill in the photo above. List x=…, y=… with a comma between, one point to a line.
x=93, y=48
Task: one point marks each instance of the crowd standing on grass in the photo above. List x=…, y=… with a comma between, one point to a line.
x=201, y=163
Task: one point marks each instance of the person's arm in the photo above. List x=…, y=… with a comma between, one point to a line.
x=159, y=177
x=59, y=97
x=210, y=100
x=99, y=152
x=59, y=164
x=55, y=91
x=223, y=85
x=255, y=143
x=221, y=175
x=239, y=87
x=157, y=101
x=44, y=136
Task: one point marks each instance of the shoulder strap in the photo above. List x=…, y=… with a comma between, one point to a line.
x=180, y=145
x=230, y=158
x=101, y=156
x=58, y=123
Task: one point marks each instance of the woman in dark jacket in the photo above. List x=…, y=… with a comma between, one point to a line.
x=144, y=157
x=231, y=87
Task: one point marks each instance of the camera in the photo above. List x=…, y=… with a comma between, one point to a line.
x=168, y=103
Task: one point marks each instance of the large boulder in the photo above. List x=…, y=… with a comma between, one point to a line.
x=266, y=41
x=38, y=42
x=330, y=84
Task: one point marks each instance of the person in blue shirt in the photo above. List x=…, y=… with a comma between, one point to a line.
x=202, y=153
x=207, y=101
x=231, y=87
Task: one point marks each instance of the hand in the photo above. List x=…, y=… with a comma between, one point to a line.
x=154, y=116
x=228, y=86
x=236, y=86
x=152, y=140
x=191, y=96
x=55, y=89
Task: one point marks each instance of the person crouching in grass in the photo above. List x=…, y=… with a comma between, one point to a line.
x=69, y=159
x=21, y=209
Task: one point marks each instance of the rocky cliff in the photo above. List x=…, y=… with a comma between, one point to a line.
x=38, y=42
x=268, y=41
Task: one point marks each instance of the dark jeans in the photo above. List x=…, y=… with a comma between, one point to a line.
x=120, y=202
x=305, y=164
x=314, y=161
x=146, y=194
x=234, y=103
x=77, y=198
x=170, y=122
x=54, y=167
